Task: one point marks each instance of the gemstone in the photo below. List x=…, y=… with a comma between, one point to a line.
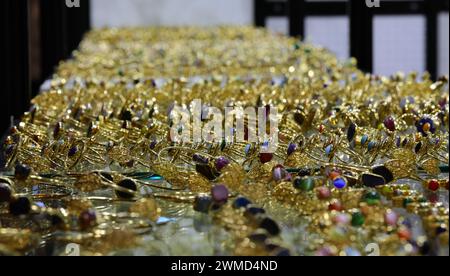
x=358, y=219
x=126, y=115
x=129, y=185
x=22, y=172
x=279, y=173
x=418, y=147
x=389, y=123
x=221, y=163
x=425, y=126
x=282, y=252
x=404, y=234
x=270, y=226
x=407, y=201
x=340, y=183
x=342, y=219
x=372, y=198
x=384, y=172
x=371, y=146
x=254, y=211
x=20, y=206
x=107, y=176
x=390, y=218
x=247, y=149
x=206, y=171
x=259, y=238
x=299, y=118
x=87, y=220
x=72, y=151
x=351, y=132
x=200, y=159
x=335, y=205
x=329, y=150
x=57, y=130
x=364, y=139
x=265, y=157
x=241, y=202
x=5, y=193
x=291, y=148
x=372, y=180
x=333, y=175
x=323, y=192
x=433, y=185
x=305, y=184
x=304, y=172
x=202, y=204
x=220, y=194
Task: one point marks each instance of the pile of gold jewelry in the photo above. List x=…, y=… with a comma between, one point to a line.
x=360, y=167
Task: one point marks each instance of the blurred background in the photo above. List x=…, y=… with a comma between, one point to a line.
x=401, y=35
x=399, y=40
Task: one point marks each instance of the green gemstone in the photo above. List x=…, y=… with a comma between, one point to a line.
x=358, y=219
x=372, y=198
x=407, y=201
x=423, y=200
x=387, y=190
x=305, y=184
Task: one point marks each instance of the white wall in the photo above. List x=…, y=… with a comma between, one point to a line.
x=115, y=13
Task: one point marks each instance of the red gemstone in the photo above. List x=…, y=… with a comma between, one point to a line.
x=335, y=206
x=265, y=157
x=433, y=185
x=323, y=193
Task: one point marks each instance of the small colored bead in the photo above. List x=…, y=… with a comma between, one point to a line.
x=390, y=218
x=5, y=193
x=389, y=123
x=305, y=184
x=220, y=194
x=433, y=185
x=358, y=219
x=221, y=163
x=87, y=220
x=241, y=202
x=20, y=206
x=336, y=205
x=265, y=157
x=202, y=204
x=129, y=185
x=340, y=183
x=292, y=148
x=323, y=193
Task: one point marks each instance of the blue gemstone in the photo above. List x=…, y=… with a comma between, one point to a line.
x=241, y=202
x=364, y=139
x=329, y=149
x=371, y=146
x=202, y=204
x=247, y=149
x=253, y=211
x=291, y=149
x=339, y=183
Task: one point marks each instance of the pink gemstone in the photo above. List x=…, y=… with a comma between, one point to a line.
x=220, y=193
x=323, y=193
x=391, y=218
x=342, y=219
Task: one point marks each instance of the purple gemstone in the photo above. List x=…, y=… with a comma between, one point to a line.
x=221, y=163
x=200, y=159
x=87, y=219
x=278, y=174
x=389, y=123
x=220, y=194
x=292, y=148
x=73, y=150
